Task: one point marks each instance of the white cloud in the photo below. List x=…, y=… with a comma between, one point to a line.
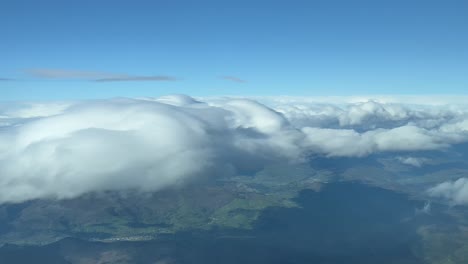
x=346, y=142
x=413, y=161
x=428, y=100
x=454, y=191
x=368, y=115
x=338, y=142
x=66, y=149
x=127, y=143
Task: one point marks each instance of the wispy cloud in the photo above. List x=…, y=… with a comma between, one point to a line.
x=137, y=78
x=67, y=74
x=96, y=76
x=233, y=79
x=6, y=79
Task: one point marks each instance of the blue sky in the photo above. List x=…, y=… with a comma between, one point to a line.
x=95, y=49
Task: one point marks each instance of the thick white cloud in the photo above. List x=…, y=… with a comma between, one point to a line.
x=66, y=149
x=102, y=145
x=141, y=144
x=454, y=191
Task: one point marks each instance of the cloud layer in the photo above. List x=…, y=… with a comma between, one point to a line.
x=65, y=149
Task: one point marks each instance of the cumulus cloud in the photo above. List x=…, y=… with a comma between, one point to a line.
x=426, y=100
x=125, y=143
x=346, y=142
x=65, y=149
x=369, y=115
x=454, y=191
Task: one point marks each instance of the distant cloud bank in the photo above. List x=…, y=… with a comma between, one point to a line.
x=65, y=149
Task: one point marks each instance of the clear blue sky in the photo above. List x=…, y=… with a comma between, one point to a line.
x=66, y=49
